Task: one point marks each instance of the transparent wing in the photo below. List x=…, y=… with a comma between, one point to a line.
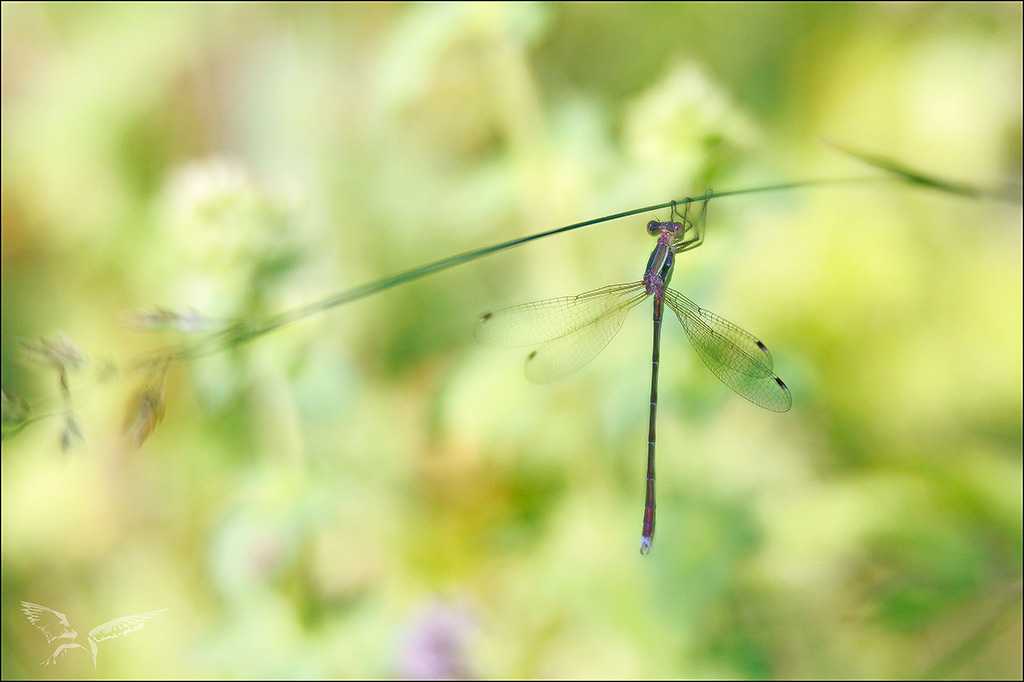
x=736, y=357
x=563, y=356
x=571, y=330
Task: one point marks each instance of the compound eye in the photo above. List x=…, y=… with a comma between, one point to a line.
x=653, y=227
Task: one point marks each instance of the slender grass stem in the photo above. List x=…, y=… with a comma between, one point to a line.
x=243, y=332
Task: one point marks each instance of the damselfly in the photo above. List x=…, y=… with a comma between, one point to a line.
x=572, y=330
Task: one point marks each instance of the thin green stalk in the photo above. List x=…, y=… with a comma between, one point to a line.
x=241, y=333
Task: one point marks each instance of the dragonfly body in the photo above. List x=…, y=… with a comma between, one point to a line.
x=571, y=330
x=656, y=279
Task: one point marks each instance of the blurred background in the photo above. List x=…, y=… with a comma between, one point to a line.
x=366, y=492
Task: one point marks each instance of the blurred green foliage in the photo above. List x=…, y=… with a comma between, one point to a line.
x=365, y=493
